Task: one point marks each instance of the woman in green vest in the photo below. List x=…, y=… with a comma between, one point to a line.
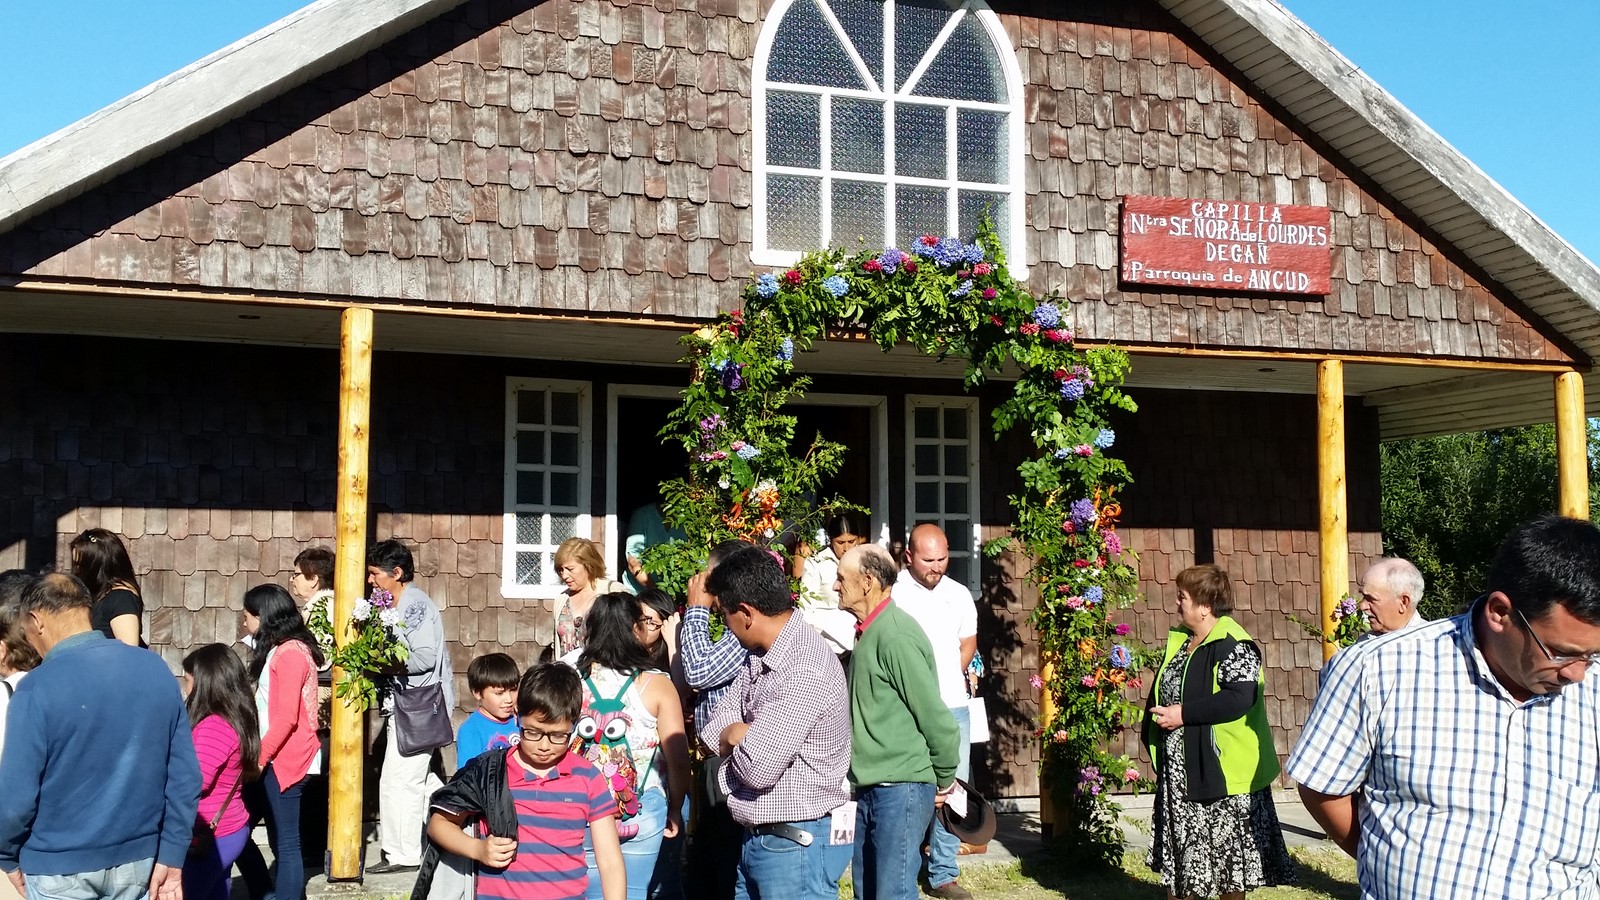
x=1216, y=832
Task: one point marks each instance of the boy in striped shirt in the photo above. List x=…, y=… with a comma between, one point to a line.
x=535, y=801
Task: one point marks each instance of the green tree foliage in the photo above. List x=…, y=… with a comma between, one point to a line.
x=1448, y=501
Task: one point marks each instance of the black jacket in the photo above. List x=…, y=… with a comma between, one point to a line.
x=479, y=789
x=1203, y=708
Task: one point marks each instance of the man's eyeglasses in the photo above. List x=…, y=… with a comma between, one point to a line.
x=534, y=735
x=1588, y=659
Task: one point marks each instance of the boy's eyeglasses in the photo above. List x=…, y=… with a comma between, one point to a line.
x=534, y=735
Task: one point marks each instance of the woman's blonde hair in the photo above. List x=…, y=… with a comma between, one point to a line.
x=585, y=553
x=1208, y=585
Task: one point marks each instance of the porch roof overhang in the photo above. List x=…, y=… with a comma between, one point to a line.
x=1414, y=398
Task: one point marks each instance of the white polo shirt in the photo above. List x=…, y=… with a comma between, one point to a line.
x=948, y=616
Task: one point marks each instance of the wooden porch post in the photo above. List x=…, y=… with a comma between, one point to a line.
x=1051, y=825
x=1572, y=447
x=1333, y=525
x=347, y=744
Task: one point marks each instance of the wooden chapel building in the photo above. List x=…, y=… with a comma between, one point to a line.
x=493, y=219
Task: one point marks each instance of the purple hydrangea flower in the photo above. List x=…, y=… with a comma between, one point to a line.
x=767, y=286
x=731, y=377
x=1072, y=389
x=891, y=259
x=1047, y=315
x=836, y=285
x=1082, y=512
x=1105, y=439
x=972, y=254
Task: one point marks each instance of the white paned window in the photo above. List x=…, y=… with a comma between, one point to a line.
x=879, y=122
x=547, y=480
x=942, y=476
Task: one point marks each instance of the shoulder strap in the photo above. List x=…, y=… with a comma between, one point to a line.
x=595, y=692
x=227, y=800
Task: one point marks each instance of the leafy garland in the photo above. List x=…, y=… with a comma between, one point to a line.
x=947, y=298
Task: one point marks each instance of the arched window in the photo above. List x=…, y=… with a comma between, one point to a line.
x=881, y=121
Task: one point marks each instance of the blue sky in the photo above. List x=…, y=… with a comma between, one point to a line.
x=1510, y=84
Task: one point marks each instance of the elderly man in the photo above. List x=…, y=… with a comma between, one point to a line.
x=944, y=609
x=1472, y=741
x=904, y=741
x=1390, y=592
x=784, y=733
x=99, y=782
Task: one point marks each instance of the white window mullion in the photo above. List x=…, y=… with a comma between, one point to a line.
x=952, y=219
x=904, y=90
x=826, y=128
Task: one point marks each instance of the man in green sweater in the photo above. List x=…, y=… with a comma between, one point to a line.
x=904, y=741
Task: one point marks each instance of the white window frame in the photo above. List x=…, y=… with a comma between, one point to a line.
x=762, y=255
x=583, y=524
x=969, y=544
x=878, y=403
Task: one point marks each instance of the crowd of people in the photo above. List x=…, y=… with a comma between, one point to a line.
x=822, y=748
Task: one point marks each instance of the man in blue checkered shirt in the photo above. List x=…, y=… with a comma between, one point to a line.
x=1461, y=759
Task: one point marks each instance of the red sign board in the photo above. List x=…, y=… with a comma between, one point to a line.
x=1226, y=245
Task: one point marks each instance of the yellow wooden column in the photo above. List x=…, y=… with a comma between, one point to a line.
x=1050, y=821
x=1333, y=524
x=1572, y=446
x=347, y=746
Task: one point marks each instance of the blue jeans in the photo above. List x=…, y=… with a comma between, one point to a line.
x=129, y=881
x=283, y=834
x=776, y=868
x=942, y=845
x=891, y=820
x=638, y=852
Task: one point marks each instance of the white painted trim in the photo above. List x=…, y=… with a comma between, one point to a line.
x=584, y=523
x=1014, y=189
x=974, y=493
x=199, y=97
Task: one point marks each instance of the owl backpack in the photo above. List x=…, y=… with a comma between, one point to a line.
x=602, y=733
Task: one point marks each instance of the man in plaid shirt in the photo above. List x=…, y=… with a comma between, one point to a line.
x=783, y=732
x=1474, y=741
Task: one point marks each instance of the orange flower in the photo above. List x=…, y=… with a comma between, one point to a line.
x=1086, y=647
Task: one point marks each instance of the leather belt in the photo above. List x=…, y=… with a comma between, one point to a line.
x=784, y=830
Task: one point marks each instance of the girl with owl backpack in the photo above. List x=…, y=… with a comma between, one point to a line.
x=631, y=727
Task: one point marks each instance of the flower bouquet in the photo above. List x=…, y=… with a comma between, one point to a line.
x=373, y=649
x=1349, y=624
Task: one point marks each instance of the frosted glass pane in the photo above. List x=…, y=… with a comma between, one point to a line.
x=794, y=212
x=530, y=488
x=563, y=489
x=530, y=407
x=862, y=21
x=926, y=423
x=955, y=499
x=857, y=136
x=918, y=211
x=561, y=528
x=563, y=408
x=972, y=205
x=927, y=499
x=955, y=423
x=530, y=447
x=564, y=448
x=806, y=51
x=529, y=568
x=982, y=146
x=530, y=529
x=915, y=26
x=966, y=67
x=927, y=460
x=858, y=213
x=919, y=146
x=794, y=129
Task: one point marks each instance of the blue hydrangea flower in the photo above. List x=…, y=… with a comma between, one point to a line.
x=891, y=259
x=717, y=365
x=1072, y=389
x=1047, y=315
x=748, y=451
x=972, y=254
x=767, y=286
x=1105, y=439
x=962, y=289
x=1094, y=594
x=1063, y=453
x=836, y=285
x=1121, y=657
x=786, y=350
x=1082, y=512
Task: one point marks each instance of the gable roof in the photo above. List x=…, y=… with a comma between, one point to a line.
x=1290, y=65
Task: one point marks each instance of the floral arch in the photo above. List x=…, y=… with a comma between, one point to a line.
x=747, y=478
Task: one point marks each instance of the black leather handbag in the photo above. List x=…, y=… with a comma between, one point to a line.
x=421, y=719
